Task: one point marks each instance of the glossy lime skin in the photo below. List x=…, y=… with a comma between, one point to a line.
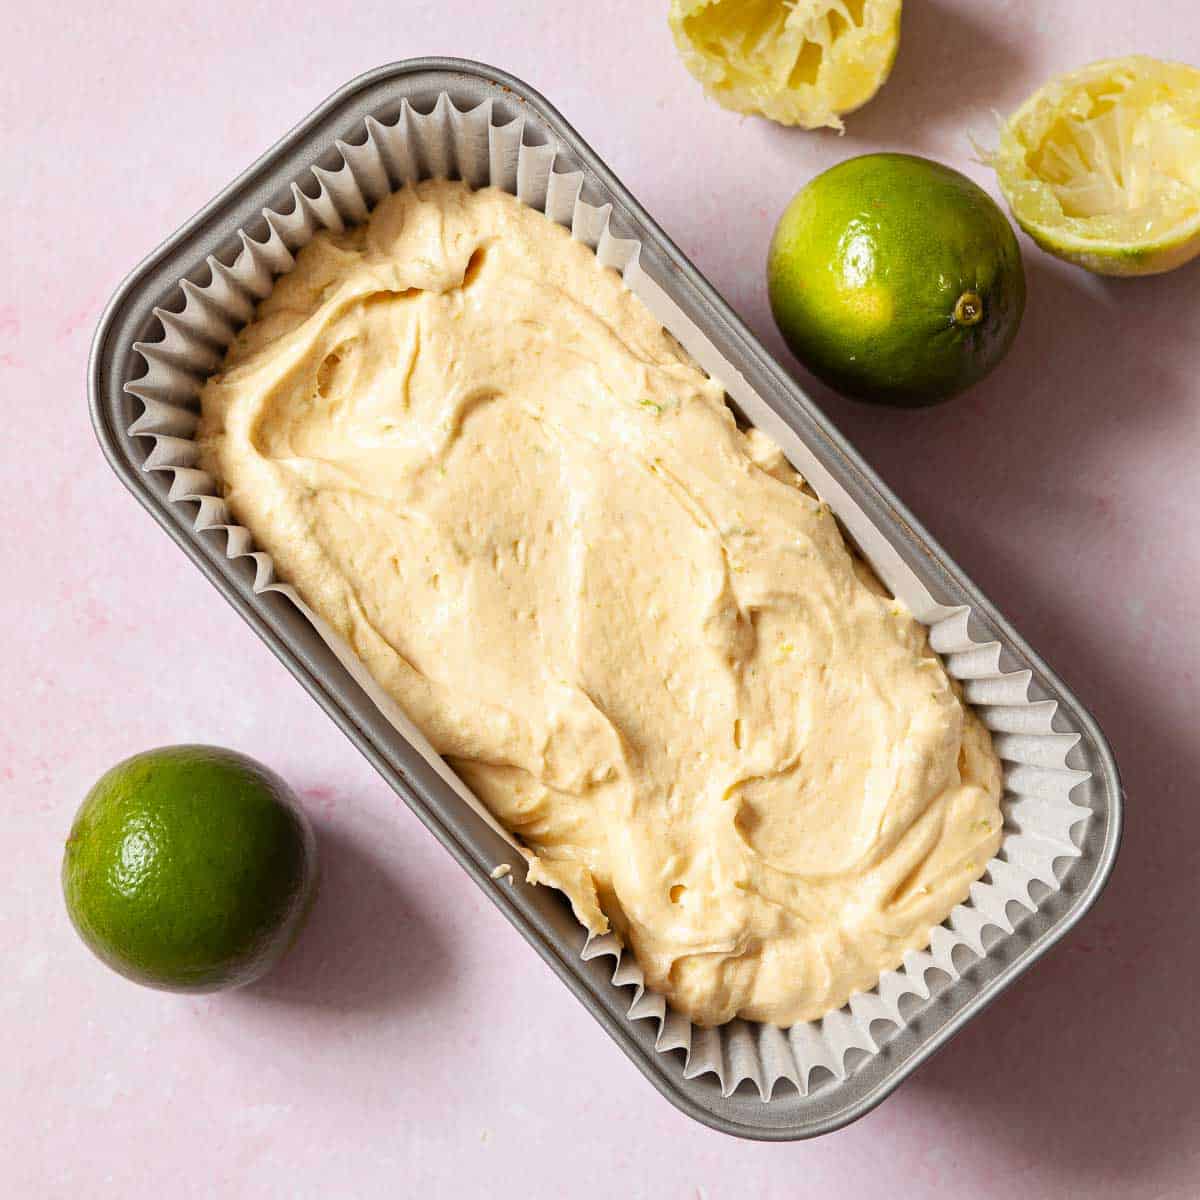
x=867, y=269
x=190, y=869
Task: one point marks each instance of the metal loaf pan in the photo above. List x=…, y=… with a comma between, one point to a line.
x=838, y=1096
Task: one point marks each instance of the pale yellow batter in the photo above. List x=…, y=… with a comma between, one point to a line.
x=478, y=456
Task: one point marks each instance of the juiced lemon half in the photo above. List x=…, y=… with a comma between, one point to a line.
x=1102, y=166
x=799, y=62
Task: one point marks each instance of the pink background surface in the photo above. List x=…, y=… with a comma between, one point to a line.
x=413, y=1043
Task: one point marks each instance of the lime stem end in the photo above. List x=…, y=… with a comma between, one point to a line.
x=969, y=309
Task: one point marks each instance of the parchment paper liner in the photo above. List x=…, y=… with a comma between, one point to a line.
x=1040, y=817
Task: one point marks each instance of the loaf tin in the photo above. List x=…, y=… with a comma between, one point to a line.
x=165, y=328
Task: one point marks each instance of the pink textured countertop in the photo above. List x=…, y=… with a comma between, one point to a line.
x=412, y=1044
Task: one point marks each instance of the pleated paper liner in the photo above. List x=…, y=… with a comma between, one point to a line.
x=1041, y=819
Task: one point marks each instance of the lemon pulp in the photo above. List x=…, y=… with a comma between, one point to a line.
x=799, y=62
x=1102, y=166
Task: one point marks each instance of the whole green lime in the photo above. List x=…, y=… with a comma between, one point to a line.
x=189, y=868
x=896, y=280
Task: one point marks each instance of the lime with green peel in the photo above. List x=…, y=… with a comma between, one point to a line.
x=1101, y=167
x=896, y=280
x=190, y=869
